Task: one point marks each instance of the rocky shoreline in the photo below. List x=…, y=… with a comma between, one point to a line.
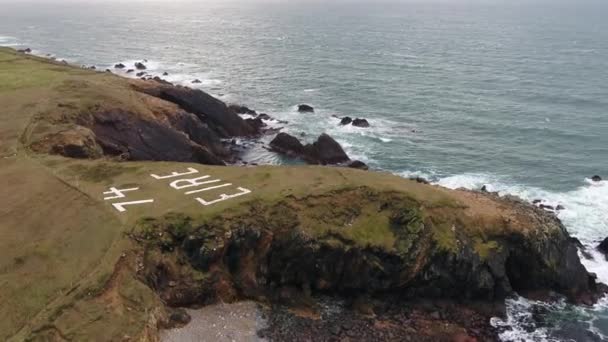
x=422, y=263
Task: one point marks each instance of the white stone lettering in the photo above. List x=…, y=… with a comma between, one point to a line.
x=121, y=206
x=224, y=197
x=209, y=188
x=118, y=192
x=176, y=174
x=191, y=182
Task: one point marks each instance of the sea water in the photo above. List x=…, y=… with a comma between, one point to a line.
x=508, y=94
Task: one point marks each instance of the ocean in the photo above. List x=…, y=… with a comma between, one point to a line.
x=508, y=94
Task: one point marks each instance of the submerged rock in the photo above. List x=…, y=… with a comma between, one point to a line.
x=140, y=66
x=304, y=108
x=596, y=178
x=197, y=81
x=140, y=74
x=119, y=66
x=130, y=71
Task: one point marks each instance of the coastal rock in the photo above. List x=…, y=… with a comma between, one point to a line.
x=160, y=80
x=140, y=66
x=256, y=123
x=242, y=110
x=287, y=144
x=197, y=81
x=165, y=73
x=130, y=71
x=304, y=108
x=360, y=123
x=119, y=66
x=140, y=74
x=603, y=247
x=356, y=164
x=423, y=260
x=210, y=110
x=346, y=120
x=264, y=116
x=326, y=150
x=78, y=143
x=596, y=178
x=26, y=50
x=123, y=134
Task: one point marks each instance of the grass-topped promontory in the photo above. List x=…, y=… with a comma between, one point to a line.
x=73, y=267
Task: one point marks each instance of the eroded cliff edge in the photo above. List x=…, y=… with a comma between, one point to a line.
x=304, y=231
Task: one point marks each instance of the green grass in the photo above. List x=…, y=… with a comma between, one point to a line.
x=60, y=241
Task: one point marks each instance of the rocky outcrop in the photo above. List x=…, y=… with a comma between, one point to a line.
x=596, y=178
x=304, y=108
x=140, y=66
x=603, y=247
x=77, y=142
x=225, y=122
x=360, y=123
x=346, y=121
x=115, y=133
x=325, y=150
x=242, y=110
x=119, y=66
x=356, y=164
x=311, y=244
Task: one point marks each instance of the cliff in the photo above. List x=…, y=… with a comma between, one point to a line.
x=117, y=209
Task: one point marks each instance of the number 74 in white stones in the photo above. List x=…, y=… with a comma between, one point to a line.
x=224, y=197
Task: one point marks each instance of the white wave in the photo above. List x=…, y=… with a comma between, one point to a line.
x=585, y=216
x=519, y=323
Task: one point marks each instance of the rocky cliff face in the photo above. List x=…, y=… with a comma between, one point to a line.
x=168, y=123
x=361, y=241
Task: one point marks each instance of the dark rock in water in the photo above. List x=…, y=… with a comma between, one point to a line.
x=140, y=74
x=27, y=50
x=108, y=70
x=197, y=81
x=346, y=120
x=160, y=80
x=596, y=178
x=119, y=66
x=356, y=164
x=547, y=207
x=257, y=123
x=560, y=207
x=165, y=73
x=323, y=151
x=242, y=110
x=536, y=201
x=92, y=67
x=484, y=188
x=264, y=116
x=581, y=248
x=360, y=123
x=327, y=151
x=130, y=71
x=603, y=247
x=304, y=108
x=140, y=66
x=421, y=180
x=288, y=145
